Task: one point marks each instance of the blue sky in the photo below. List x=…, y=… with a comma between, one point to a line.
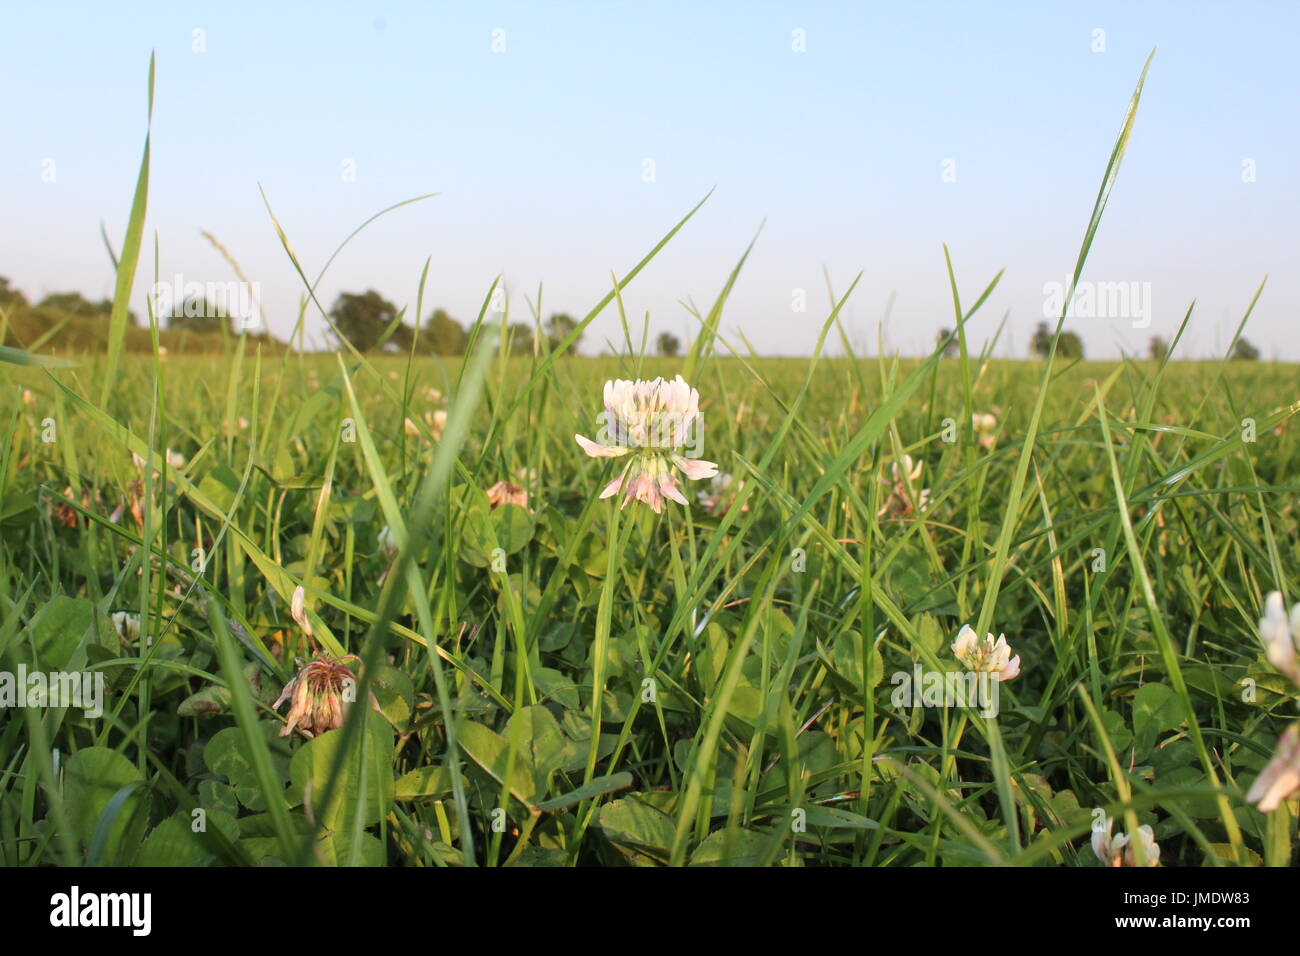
x=538, y=153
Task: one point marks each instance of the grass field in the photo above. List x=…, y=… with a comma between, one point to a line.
x=528, y=674
x=741, y=716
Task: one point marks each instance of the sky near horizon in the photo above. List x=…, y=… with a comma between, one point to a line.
x=564, y=139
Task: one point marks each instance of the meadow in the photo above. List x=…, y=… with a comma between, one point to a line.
x=716, y=683
x=486, y=662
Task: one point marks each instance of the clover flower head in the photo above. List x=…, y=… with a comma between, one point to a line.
x=127, y=626
x=650, y=423
x=435, y=421
x=721, y=494
x=1280, y=779
x=987, y=656
x=1118, y=850
x=899, y=503
x=320, y=693
x=504, y=493
x=986, y=426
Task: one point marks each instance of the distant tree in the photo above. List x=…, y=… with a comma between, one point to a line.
x=1158, y=348
x=74, y=303
x=1244, y=351
x=1068, y=346
x=558, y=327
x=443, y=334
x=9, y=297
x=1041, y=343
x=668, y=345
x=363, y=318
x=952, y=349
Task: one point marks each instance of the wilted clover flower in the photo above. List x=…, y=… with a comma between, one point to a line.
x=319, y=692
x=651, y=423
x=1118, y=850
x=899, y=503
x=986, y=656
x=504, y=493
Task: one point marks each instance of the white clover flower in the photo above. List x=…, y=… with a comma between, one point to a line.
x=1281, y=636
x=986, y=426
x=1280, y=780
x=987, y=656
x=127, y=626
x=650, y=422
x=435, y=421
x=1150, y=849
x=721, y=494
x=898, y=503
x=1118, y=850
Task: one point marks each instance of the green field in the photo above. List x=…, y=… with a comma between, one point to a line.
x=712, y=684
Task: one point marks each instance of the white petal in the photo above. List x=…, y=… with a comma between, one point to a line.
x=597, y=450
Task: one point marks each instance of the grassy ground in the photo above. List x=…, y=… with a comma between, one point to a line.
x=1136, y=556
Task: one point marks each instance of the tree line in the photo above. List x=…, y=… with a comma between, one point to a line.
x=1070, y=346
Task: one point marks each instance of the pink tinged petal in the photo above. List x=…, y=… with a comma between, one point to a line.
x=668, y=486
x=1275, y=629
x=648, y=493
x=1281, y=778
x=966, y=641
x=1278, y=789
x=695, y=468
x=612, y=488
x=597, y=450
x=1011, y=670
